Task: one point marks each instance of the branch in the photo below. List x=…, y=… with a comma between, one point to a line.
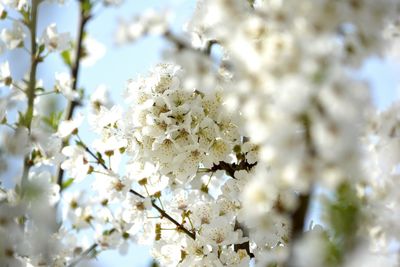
x=231, y=168
x=84, y=18
x=298, y=219
x=181, y=44
x=299, y=215
x=163, y=213
x=69, y=110
x=245, y=245
x=209, y=45
x=99, y=160
x=30, y=93
x=166, y=215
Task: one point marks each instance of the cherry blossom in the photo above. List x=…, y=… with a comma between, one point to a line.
x=254, y=141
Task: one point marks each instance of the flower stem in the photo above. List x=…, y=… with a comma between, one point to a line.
x=83, y=255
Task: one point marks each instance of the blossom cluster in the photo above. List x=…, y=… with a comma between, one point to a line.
x=177, y=144
x=177, y=130
x=218, y=155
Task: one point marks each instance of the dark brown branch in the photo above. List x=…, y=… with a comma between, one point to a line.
x=299, y=215
x=181, y=44
x=298, y=219
x=245, y=245
x=98, y=160
x=69, y=110
x=231, y=168
x=209, y=46
x=84, y=18
x=179, y=226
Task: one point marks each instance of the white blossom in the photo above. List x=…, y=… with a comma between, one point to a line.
x=100, y=97
x=76, y=163
x=256, y=123
x=55, y=41
x=150, y=22
x=94, y=51
x=112, y=2
x=18, y=4
x=63, y=84
x=68, y=127
x=13, y=37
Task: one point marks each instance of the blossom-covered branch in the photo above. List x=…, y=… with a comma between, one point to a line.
x=255, y=123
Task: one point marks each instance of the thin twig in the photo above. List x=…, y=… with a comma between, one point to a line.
x=47, y=93
x=166, y=215
x=163, y=213
x=83, y=255
x=98, y=160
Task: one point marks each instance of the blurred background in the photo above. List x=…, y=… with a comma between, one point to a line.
x=115, y=65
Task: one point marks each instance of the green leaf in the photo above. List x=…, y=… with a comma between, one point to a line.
x=86, y=6
x=67, y=183
x=26, y=15
x=109, y=232
x=81, y=92
x=342, y=216
x=333, y=254
x=35, y=154
x=251, y=2
x=344, y=211
x=41, y=49
x=66, y=56
x=53, y=120
x=84, y=35
x=3, y=15
x=21, y=119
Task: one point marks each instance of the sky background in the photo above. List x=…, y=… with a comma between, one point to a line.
x=121, y=63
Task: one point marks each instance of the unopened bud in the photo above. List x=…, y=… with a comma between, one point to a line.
x=143, y=181
x=109, y=153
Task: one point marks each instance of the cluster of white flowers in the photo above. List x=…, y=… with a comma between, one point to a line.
x=288, y=68
x=180, y=147
x=216, y=157
x=176, y=130
x=379, y=188
x=288, y=64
